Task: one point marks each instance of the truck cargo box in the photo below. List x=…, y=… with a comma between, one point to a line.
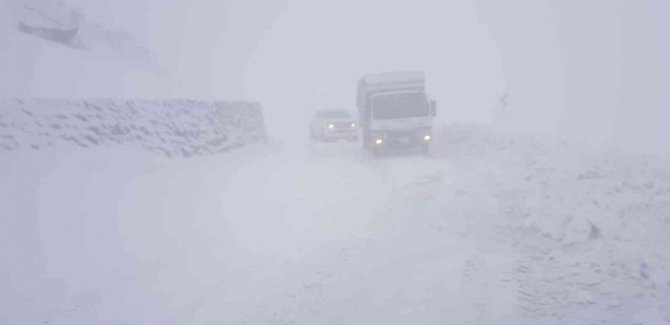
x=389, y=82
x=394, y=77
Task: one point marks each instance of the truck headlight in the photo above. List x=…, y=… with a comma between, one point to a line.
x=427, y=137
x=379, y=141
x=353, y=125
x=331, y=126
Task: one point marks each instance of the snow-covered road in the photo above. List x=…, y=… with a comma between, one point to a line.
x=308, y=233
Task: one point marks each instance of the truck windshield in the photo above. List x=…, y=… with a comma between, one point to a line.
x=405, y=105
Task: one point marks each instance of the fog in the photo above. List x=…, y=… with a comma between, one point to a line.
x=595, y=71
x=592, y=71
x=173, y=162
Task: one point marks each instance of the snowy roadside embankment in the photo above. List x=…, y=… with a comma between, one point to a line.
x=590, y=226
x=171, y=127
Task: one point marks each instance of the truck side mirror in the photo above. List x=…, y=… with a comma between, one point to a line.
x=433, y=107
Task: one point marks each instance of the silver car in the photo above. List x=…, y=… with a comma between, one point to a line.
x=333, y=124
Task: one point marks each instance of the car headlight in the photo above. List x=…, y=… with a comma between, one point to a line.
x=427, y=137
x=331, y=126
x=379, y=141
x=353, y=125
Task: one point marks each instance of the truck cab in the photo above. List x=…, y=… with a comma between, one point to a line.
x=395, y=112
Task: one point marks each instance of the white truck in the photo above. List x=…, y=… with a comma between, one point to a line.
x=394, y=112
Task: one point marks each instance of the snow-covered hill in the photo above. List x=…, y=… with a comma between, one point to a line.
x=45, y=54
x=171, y=127
x=56, y=21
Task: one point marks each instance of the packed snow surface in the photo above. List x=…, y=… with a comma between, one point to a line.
x=493, y=228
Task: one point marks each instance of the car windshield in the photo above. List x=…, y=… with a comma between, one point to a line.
x=335, y=114
x=404, y=105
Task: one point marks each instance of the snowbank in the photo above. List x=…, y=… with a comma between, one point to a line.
x=591, y=226
x=569, y=191
x=172, y=127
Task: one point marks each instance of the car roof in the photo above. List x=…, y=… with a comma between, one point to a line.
x=328, y=110
x=334, y=111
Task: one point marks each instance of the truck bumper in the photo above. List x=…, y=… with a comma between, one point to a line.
x=401, y=140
